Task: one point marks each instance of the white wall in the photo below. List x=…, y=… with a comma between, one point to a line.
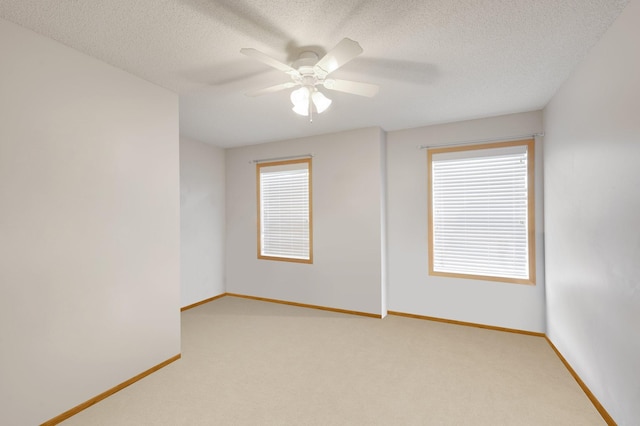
x=383, y=225
x=89, y=227
x=202, y=216
x=411, y=289
x=592, y=200
x=347, y=220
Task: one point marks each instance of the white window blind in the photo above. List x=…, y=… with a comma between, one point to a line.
x=479, y=202
x=285, y=210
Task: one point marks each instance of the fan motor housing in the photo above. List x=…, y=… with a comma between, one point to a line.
x=305, y=62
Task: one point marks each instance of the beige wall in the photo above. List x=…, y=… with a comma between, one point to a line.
x=89, y=227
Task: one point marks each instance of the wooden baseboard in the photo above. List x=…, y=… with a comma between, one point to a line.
x=202, y=302
x=468, y=324
x=304, y=305
x=605, y=415
x=103, y=395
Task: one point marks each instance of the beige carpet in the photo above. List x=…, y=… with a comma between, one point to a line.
x=247, y=362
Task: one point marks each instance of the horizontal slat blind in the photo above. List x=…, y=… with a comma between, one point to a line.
x=284, y=211
x=479, y=213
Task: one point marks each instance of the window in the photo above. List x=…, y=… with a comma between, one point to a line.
x=284, y=210
x=481, y=212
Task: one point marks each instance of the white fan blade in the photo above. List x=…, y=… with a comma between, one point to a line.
x=353, y=87
x=344, y=51
x=271, y=89
x=266, y=59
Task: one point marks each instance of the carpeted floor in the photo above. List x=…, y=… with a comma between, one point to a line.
x=247, y=362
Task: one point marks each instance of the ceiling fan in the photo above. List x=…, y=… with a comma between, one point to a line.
x=309, y=72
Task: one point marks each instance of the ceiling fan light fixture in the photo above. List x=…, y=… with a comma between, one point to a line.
x=308, y=73
x=303, y=97
x=320, y=101
x=300, y=100
x=300, y=110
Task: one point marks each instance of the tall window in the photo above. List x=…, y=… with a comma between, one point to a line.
x=284, y=210
x=481, y=212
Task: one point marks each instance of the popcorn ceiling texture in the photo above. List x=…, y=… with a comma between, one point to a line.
x=434, y=60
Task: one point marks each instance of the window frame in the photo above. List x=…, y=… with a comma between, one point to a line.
x=264, y=164
x=531, y=194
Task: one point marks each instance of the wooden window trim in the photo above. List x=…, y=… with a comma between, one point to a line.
x=259, y=166
x=530, y=144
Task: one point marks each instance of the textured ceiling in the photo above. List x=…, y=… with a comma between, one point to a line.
x=434, y=60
